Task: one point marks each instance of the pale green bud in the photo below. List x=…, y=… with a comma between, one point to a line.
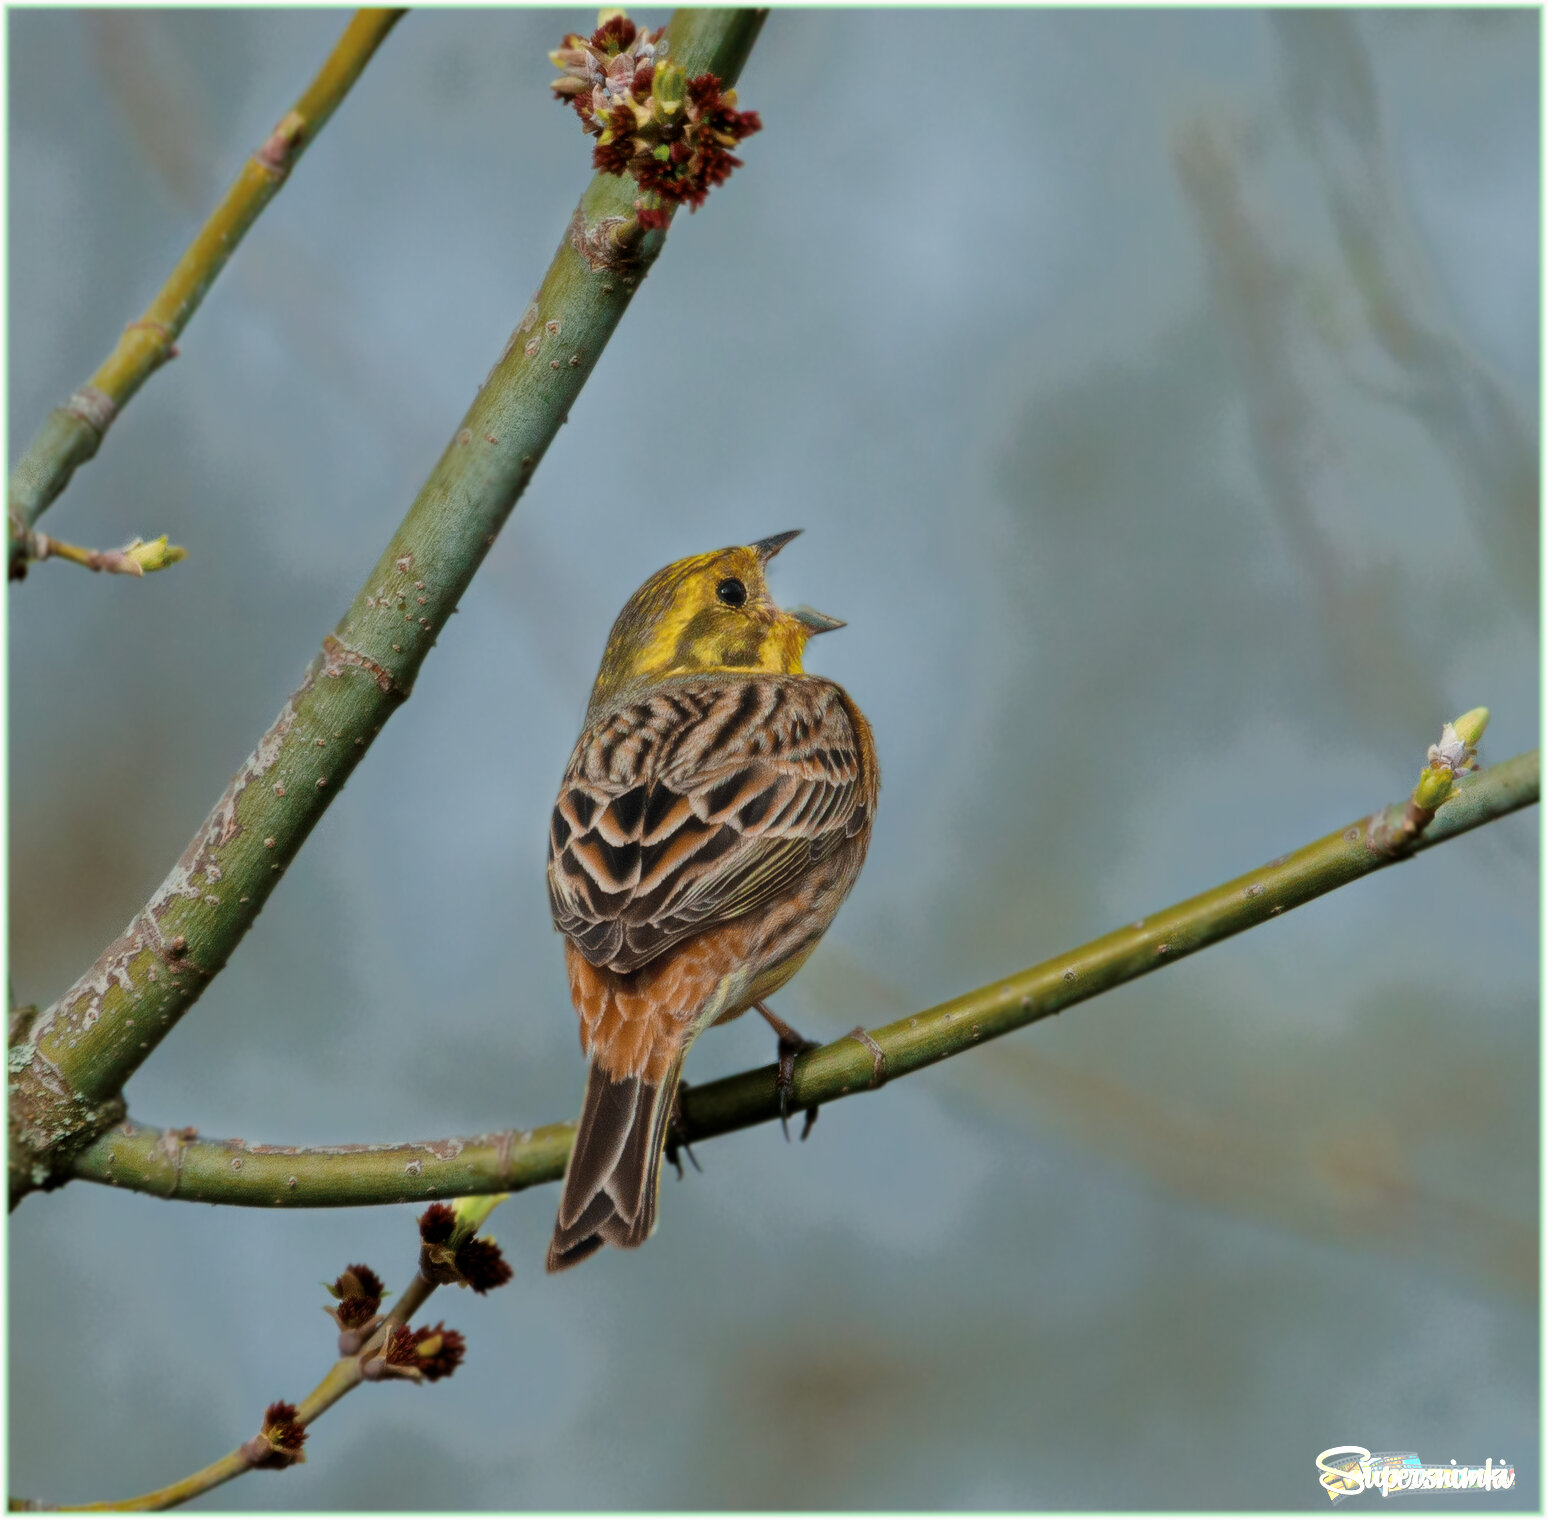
x=1434, y=787
x=1471, y=725
x=472, y=1212
x=155, y=555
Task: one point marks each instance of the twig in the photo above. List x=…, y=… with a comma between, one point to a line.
x=370, y=1346
x=1454, y=756
x=136, y=557
x=73, y=432
x=143, y=1158
x=230, y=1466
x=346, y=1374
x=67, y=1076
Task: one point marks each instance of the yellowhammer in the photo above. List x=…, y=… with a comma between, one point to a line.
x=715, y=813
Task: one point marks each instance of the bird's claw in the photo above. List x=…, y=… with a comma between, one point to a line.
x=677, y=1135
x=784, y=1082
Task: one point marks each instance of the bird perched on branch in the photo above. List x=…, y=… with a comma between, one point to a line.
x=715, y=813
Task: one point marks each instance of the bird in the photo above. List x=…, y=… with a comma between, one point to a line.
x=713, y=816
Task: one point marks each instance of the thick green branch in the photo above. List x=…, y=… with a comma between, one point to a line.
x=67, y=1074
x=73, y=432
x=173, y=1164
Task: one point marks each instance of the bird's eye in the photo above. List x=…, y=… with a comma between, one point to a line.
x=732, y=592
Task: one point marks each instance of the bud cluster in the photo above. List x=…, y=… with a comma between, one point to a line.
x=1458, y=747
x=672, y=133
x=449, y=1252
x=1455, y=755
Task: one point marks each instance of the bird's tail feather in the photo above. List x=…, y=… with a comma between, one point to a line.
x=611, y=1183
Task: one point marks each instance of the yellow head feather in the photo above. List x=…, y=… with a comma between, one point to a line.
x=709, y=612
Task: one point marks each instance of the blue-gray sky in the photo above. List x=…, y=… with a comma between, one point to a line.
x=1158, y=391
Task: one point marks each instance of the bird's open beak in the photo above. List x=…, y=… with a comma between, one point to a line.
x=810, y=619
x=817, y=622
x=767, y=548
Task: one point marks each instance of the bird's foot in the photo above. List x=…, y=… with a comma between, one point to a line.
x=784, y=1081
x=791, y=1045
x=677, y=1135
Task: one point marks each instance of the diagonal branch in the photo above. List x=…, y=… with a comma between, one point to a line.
x=73, y=432
x=372, y=1348
x=175, y=1164
x=67, y=1073
x=343, y=1377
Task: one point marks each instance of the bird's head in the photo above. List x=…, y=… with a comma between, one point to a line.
x=709, y=612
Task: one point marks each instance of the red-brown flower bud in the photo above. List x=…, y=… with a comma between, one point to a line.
x=279, y=1442
x=449, y=1253
x=437, y=1223
x=482, y=1265
x=359, y=1293
x=426, y=1354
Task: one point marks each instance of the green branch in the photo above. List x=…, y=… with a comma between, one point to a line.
x=175, y=1164
x=68, y=1072
x=73, y=432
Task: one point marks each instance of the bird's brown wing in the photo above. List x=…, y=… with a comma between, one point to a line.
x=696, y=804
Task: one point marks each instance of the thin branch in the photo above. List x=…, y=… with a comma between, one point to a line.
x=346, y=1374
x=373, y=1347
x=73, y=432
x=230, y=1466
x=67, y=1076
x=175, y=1164
x=135, y=558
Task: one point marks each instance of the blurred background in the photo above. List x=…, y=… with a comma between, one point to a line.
x=1158, y=392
